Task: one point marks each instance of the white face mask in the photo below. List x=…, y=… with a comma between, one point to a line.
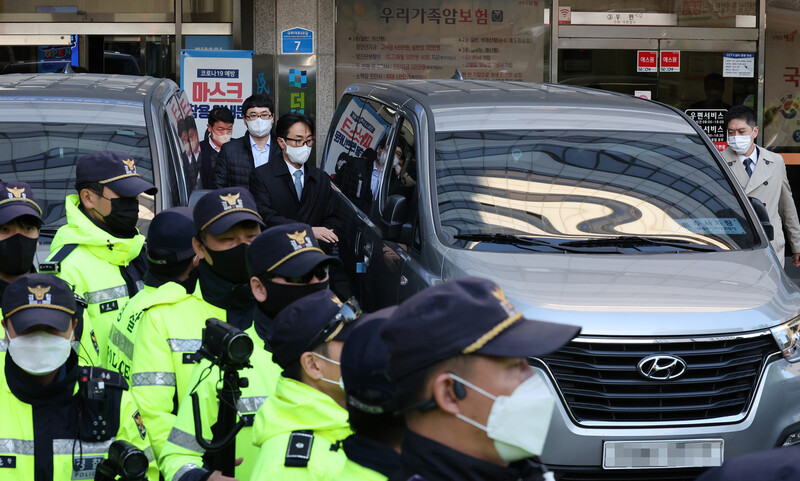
x=298, y=155
x=259, y=127
x=339, y=383
x=740, y=143
x=221, y=139
x=396, y=161
x=518, y=423
x=39, y=352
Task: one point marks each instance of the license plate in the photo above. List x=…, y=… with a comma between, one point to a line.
x=694, y=453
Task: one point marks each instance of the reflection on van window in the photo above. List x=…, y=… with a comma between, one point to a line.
x=568, y=186
x=44, y=156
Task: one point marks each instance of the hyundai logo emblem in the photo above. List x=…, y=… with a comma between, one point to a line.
x=661, y=367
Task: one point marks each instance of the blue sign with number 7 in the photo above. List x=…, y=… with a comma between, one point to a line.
x=297, y=40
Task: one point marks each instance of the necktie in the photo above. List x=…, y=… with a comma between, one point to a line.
x=298, y=186
x=748, y=166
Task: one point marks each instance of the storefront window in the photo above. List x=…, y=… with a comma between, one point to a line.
x=207, y=11
x=677, y=13
x=87, y=11
x=485, y=40
x=781, y=125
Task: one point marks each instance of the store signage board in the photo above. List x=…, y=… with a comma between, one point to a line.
x=670, y=61
x=712, y=121
x=647, y=61
x=623, y=18
x=297, y=41
x=741, y=65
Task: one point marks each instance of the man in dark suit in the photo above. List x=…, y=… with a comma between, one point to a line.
x=220, y=128
x=353, y=175
x=288, y=189
x=240, y=157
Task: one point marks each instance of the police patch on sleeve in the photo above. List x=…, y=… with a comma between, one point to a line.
x=137, y=418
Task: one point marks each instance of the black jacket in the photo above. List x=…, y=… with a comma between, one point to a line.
x=208, y=161
x=276, y=198
x=235, y=163
x=354, y=178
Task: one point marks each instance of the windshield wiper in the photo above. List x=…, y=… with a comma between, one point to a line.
x=498, y=238
x=635, y=241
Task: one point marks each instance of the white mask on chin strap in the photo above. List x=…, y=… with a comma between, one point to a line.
x=518, y=423
x=39, y=352
x=339, y=383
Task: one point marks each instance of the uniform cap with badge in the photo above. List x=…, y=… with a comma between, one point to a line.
x=17, y=200
x=310, y=322
x=464, y=316
x=219, y=210
x=287, y=250
x=115, y=170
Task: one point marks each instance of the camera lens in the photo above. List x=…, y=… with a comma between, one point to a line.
x=134, y=466
x=239, y=348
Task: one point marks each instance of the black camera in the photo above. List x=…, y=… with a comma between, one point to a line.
x=125, y=462
x=225, y=345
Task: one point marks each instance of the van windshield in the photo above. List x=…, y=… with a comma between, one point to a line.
x=44, y=156
x=586, y=189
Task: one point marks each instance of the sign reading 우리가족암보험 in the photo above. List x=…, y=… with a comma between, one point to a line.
x=297, y=41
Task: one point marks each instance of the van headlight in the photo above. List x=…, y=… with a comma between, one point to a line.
x=787, y=335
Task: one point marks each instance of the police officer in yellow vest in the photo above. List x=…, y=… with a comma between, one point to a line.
x=99, y=250
x=59, y=418
x=373, y=451
x=299, y=426
x=20, y=221
x=284, y=266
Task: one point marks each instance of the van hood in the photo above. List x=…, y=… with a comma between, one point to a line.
x=640, y=295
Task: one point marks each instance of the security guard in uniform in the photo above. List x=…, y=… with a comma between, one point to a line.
x=20, y=221
x=285, y=263
x=59, y=418
x=153, y=343
x=474, y=407
x=99, y=252
x=298, y=427
x=373, y=451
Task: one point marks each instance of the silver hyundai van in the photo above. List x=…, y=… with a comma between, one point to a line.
x=589, y=208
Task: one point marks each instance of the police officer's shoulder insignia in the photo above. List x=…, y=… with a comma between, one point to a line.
x=231, y=201
x=299, y=240
x=298, y=452
x=137, y=418
x=94, y=341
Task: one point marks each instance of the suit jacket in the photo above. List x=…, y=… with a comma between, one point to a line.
x=273, y=189
x=354, y=179
x=208, y=160
x=235, y=164
x=770, y=185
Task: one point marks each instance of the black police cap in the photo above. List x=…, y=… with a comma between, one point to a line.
x=115, y=170
x=287, y=250
x=219, y=210
x=778, y=464
x=169, y=237
x=17, y=200
x=305, y=321
x=464, y=316
x=39, y=299
x=365, y=359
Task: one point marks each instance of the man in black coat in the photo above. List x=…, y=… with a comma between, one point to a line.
x=240, y=157
x=220, y=127
x=290, y=190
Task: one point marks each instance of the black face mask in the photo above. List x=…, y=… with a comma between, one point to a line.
x=191, y=282
x=16, y=255
x=230, y=264
x=281, y=295
x=121, y=221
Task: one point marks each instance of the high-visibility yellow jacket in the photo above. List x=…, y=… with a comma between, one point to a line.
x=181, y=456
x=296, y=430
x=153, y=345
x=57, y=432
x=101, y=269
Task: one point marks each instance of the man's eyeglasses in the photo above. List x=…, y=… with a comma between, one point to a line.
x=263, y=115
x=318, y=272
x=348, y=312
x=299, y=142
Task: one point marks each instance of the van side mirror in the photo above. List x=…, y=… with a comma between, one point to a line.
x=393, y=217
x=763, y=217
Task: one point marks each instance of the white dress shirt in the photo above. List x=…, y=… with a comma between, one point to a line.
x=260, y=157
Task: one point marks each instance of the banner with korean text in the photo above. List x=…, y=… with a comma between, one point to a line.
x=217, y=78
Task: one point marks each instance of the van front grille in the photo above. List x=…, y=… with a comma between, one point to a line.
x=601, y=382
